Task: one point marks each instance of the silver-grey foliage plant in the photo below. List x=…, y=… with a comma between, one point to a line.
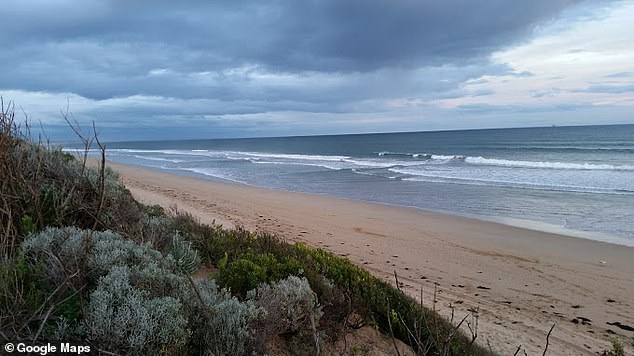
x=224, y=326
x=290, y=305
x=144, y=302
x=128, y=319
x=65, y=250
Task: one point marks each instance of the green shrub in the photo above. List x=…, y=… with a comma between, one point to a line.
x=371, y=297
x=21, y=287
x=250, y=270
x=153, y=211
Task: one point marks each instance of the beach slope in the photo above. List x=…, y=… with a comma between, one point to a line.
x=519, y=281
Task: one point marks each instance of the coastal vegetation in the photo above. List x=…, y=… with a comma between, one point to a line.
x=82, y=261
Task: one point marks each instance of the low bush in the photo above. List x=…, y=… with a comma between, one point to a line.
x=124, y=319
x=251, y=270
x=221, y=324
x=67, y=251
x=290, y=306
x=141, y=301
x=250, y=260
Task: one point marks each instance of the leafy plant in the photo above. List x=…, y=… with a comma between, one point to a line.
x=28, y=227
x=250, y=270
x=185, y=256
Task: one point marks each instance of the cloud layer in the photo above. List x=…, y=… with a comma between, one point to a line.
x=233, y=65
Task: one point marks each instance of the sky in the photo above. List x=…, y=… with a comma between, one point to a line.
x=154, y=69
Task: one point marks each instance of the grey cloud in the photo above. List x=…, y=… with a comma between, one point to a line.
x=606, y=89
x=324, y=35
x=246, y=57
x=283, y=35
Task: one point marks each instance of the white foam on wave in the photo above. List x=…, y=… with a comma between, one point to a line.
x=546, y=165
x=422, y=156
x=150, y=158
x=447, y=177
x=292, y=156
x=333, y=162
x=211, y=172
x=132, y=150
x=401, y=154
x=447, y=157
x=479, y=160
x=302, y=163
x=347, y=162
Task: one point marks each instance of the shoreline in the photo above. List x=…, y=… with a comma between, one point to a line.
x=520, y=280
x=533, y=225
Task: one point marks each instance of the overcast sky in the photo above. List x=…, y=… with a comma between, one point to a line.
x=151, y=69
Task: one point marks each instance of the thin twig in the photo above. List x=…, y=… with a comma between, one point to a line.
x=200, y=298
x=389, y=322
x=474, y=331
x=547, y=338
x=417, y=340
x=48, y=313
x=398, y=285
x=315, y=333
x=454, y=331
x=102, y=177
x=48, y=299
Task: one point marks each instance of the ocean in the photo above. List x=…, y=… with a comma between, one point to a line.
x=573, y=180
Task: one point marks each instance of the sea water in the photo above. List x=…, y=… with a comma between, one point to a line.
x=575, y=180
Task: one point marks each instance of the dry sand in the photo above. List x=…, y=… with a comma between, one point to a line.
x=521, y=281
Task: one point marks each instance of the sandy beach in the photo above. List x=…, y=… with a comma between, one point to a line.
x=520, y=281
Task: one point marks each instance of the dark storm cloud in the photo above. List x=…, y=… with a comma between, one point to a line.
x=107, y=42
x=179, y=61
x=291, y=35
